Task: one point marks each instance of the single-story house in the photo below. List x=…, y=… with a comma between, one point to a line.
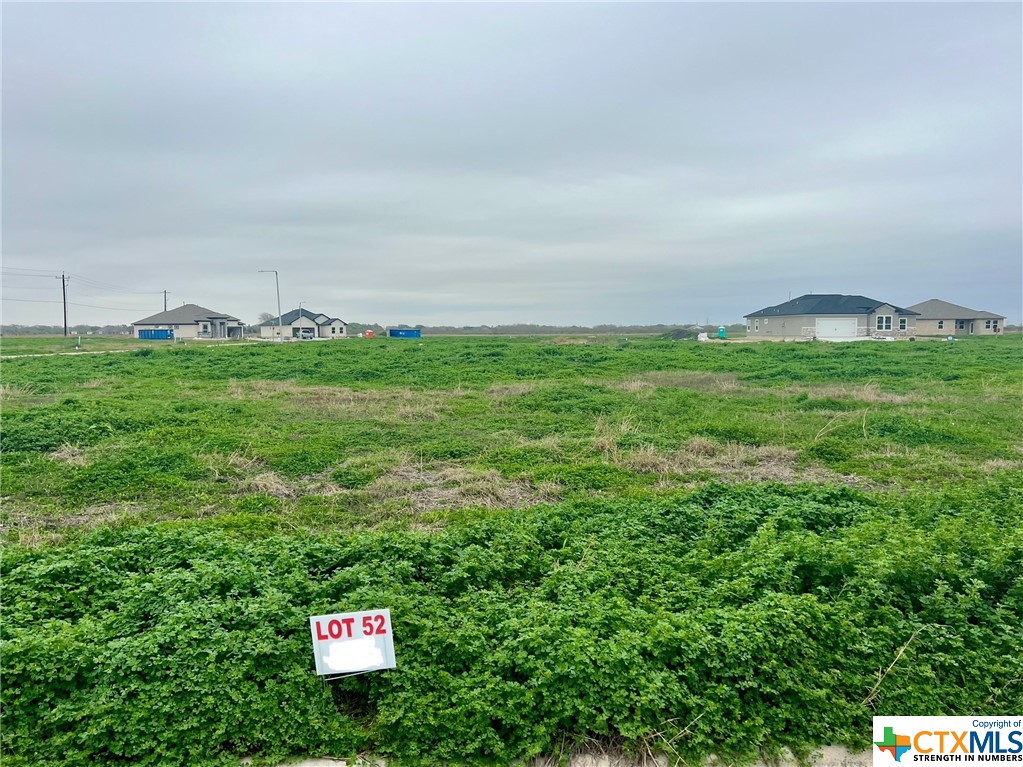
x=190, y=321
x=832, y=317
x=940, y=318
x=304, y=324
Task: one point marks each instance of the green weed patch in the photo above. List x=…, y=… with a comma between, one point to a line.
x=756, y=618
x=576, y=541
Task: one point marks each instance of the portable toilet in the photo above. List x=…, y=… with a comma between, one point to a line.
x=722, y=333
x=369, y=334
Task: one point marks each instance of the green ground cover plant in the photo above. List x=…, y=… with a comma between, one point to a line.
x=751, y=617
x=621, y=541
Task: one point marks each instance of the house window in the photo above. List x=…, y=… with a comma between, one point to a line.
x=994, y=324
x=884, y=322
x=902, y=323
x=748, y=326
x=987, y=324
x=333, y=330
x=960, y=324
x=766, y=321
x=205, y=327
x=757, y=328
x=941, y=324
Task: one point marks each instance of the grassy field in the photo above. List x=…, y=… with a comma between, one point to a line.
x=11, y=346
x=670, y=546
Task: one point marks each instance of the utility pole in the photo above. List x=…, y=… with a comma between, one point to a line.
x=165, y=300
x=280, y=319
x=63, y=290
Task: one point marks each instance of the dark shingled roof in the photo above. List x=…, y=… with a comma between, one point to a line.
x=189, y=314
x=289, y=317
x=826, y=303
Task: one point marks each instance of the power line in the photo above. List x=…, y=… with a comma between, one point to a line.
x=30, y=272
x=12, y=271
x=28, y=287
x=114, y=308
x=110, y=286
x=72, y=303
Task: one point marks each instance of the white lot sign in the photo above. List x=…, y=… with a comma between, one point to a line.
x=352, y=643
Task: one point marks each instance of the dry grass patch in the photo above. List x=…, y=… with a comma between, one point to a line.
x=232, y=465
x=680, y=379
x=511, y=389
x=274, y=485
x=636, y=385
x=338, y=402
x=455, y=487
x=869, y=392
x=70, y=454
x=95, y=383
x=607, y=433
x=9, y=392
x=269, y=483
x=34, y=525
x=1000, y=464
x=729, y=462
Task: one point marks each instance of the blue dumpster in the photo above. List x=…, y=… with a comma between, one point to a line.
x=157, y=334
x=404, y=333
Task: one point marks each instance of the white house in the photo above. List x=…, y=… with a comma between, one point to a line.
x=304, y=324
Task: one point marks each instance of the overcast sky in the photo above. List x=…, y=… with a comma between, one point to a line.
x=468, y=164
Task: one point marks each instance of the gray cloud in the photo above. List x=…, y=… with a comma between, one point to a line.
x=505, y=163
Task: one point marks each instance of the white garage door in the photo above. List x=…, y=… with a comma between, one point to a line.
x=836, y=327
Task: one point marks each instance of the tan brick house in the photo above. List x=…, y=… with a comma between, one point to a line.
x=940, y=318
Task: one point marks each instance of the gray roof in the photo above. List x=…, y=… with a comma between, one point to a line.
x=189, y=314
x=290, y=317
x=826, y=303
x=943, y=310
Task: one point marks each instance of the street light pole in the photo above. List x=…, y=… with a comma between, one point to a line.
x=280, y=318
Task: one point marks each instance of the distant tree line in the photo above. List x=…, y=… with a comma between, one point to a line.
x=524, y=329
x=361, y=327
